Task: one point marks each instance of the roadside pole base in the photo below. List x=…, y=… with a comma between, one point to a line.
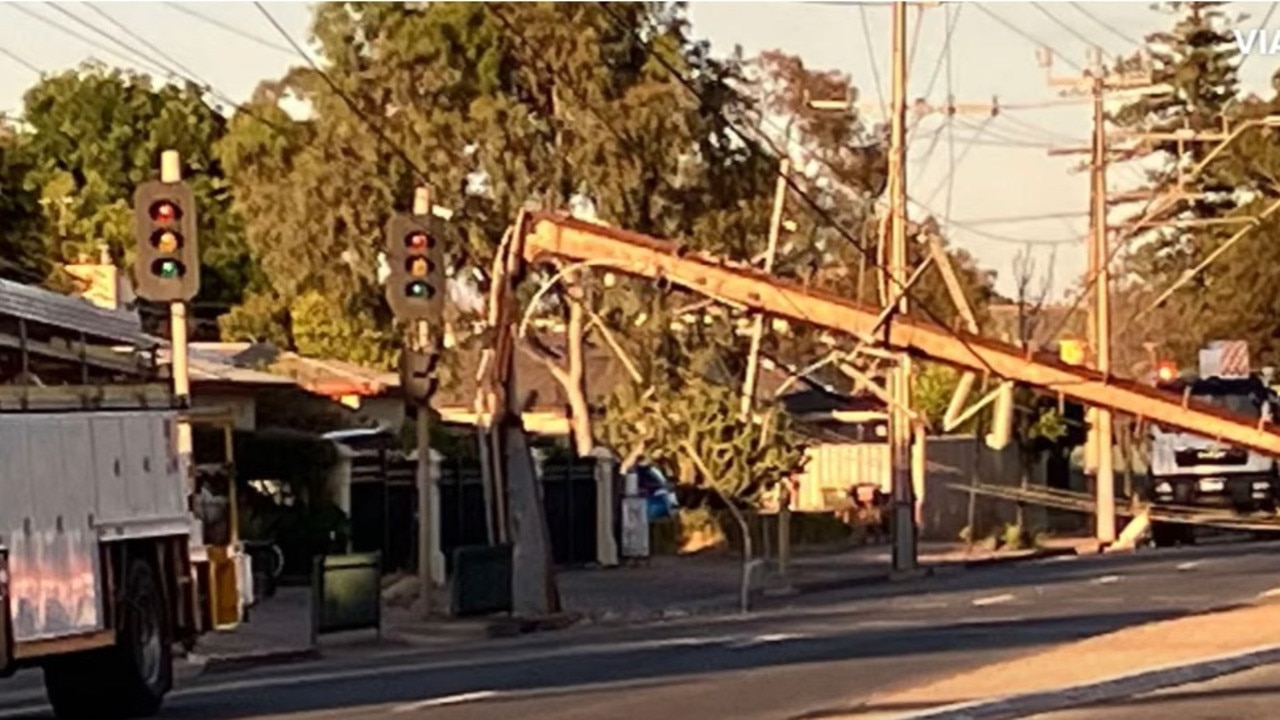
x=912, y=574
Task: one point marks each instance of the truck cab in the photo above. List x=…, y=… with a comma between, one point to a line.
x=1193, y=471
x=1188, y=469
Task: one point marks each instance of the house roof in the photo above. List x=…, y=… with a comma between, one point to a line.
x=209, y=367
x=36, y=304
x=320, y=376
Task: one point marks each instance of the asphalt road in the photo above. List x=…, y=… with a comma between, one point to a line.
x=1248, y=695
x=823, y=652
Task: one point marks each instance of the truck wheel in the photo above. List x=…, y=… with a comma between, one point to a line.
x=129, y=680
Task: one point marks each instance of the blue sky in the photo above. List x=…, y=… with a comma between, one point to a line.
x=1002, y=171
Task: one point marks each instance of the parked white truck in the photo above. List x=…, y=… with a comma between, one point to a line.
x=1193, y=471
x=97, y=583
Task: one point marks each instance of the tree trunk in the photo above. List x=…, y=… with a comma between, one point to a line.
x=575, y=385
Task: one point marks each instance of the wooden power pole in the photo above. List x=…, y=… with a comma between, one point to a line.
x=1097, y=83
x=900, y=426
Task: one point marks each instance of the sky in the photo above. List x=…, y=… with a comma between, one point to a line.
x=990, y=180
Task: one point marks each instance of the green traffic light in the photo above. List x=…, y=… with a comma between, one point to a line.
x=418, y=290
x=167, y=269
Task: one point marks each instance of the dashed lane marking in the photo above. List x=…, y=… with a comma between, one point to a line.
x=994, y=600
x=1106, y=580
x=446, y=700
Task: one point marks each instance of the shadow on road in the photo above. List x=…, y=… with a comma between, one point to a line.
x=670, y=666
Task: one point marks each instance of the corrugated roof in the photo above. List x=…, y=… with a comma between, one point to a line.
x=205, y=366
x=36, y=304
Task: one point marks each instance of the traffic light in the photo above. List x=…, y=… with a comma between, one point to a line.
x=418, y=374
x=416, y=284
x=167, y=263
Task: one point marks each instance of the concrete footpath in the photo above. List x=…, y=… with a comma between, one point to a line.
x=1130, y=662
x=664, y=588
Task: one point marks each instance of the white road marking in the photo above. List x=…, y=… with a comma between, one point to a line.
x=1183, y=567
x=458, y=699
x=1273, y=592
x=935, y=605
x=765, y=640
x=993, y=600
x=1106, y=580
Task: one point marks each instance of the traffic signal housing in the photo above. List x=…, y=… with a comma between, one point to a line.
x=418, y=374
x=167, y=261
x=416, y=287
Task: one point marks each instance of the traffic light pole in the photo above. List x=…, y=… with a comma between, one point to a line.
x=179, y=367
x=430, y=573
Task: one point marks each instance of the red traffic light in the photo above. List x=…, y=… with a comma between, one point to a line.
x=417, y=241
x=165, y=212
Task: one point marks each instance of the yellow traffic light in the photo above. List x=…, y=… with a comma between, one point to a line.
x=167, y=241
x=418, y=266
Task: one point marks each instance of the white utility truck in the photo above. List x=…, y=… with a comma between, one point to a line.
x=1193, y=471
x=96, y=579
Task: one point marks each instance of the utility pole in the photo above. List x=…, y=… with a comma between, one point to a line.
x=427, y=513
x=1100, y=254
x=753, y=361
x=1096, y=83
x=900, y=426
x=771, y=252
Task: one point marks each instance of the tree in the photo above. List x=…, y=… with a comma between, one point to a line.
x=22, y=252
x=1198, y=62
x=93, y=134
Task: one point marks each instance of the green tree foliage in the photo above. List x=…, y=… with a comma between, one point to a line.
x=22, y=252
x=1197, y=60
x=91, y=135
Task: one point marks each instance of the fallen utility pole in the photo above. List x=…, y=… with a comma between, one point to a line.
x=547, y=236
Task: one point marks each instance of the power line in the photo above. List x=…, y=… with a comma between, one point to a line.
x=809, y=200
x=944, y=60
x=333, y=85
x=229, y=28
x=19, y=60
x=146, y=43
x=1089, y=42
x=73, y=33
x=1106, y=25
x=1028, y=36
x=871, y=55
x=157, y=67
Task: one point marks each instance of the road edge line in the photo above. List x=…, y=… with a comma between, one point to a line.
x=1114, y=688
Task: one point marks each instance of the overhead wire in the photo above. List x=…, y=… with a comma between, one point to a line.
x=155, y=66
x=815, y=205
x=1088, y=41
x=144, y=42
x=871, y=56
x=1127, y=39
x=1027, y=36
x=20, y=7
x=337, y=90
x=951, y=128
x=19, y=60
x=944, y=59
x=229, y=28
